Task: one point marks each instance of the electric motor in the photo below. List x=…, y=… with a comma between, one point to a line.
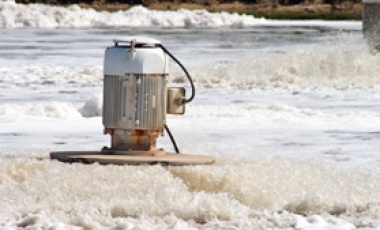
x=135, y=94
x=135, y=102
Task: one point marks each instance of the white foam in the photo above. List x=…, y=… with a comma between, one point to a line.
x=53, y=109
x=296, y=144
x=334, y=68
x=63, y=110
x=32, y=76
x=267, y=114
x=92, y=107
x=234, y=192
x=14, y=15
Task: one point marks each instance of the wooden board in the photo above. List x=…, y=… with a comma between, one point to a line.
x=96, y=156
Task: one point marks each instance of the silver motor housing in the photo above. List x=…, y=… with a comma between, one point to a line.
x=134, y=102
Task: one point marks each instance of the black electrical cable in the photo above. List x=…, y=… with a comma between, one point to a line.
x=172, y=139
x=185, y=100
x=184, y=70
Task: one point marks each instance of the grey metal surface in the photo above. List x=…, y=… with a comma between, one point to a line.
x=120, y=60
x=134, y=101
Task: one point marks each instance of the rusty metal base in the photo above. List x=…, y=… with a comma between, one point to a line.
x=101, y=158
x=152, y=152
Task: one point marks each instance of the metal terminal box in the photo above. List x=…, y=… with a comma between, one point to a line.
x=175, y=100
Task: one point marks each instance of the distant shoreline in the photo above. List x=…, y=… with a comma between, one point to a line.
x=270, y=9
x=292, y=12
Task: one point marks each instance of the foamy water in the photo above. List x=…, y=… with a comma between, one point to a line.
x=289, y=109
x=15, y=16
x=232, y=193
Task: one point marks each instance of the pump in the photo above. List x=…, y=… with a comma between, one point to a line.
x=136, y=100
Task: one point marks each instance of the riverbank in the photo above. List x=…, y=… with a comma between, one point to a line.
x=297, y=12
x=270, y=9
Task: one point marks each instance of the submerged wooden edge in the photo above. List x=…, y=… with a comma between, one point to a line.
x=96, y=157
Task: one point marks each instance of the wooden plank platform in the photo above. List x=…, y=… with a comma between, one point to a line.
x=96, y=156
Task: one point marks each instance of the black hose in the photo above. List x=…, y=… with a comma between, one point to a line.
x=172, y=139
x=184, y=70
